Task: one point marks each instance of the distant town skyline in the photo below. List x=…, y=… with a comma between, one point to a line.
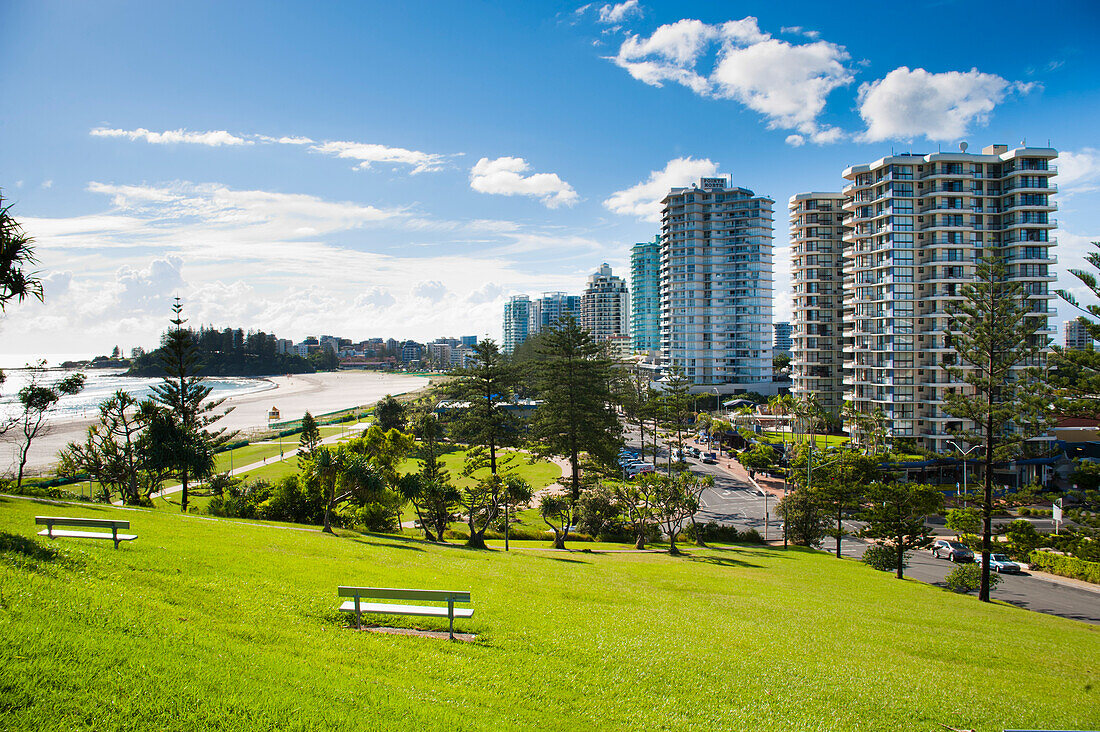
x=401, y=170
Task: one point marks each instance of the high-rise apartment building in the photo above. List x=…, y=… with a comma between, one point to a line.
x=1077, y=336
x=605, y=310
x=818, y=297
x=547, y=310
x=716, y=285
x=645, y=296
x=914, y=228
x=782, y=342
x=517, y=314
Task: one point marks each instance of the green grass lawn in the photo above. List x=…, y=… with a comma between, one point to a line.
x=820, y=441
x=214, y=624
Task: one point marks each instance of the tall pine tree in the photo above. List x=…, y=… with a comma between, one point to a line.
x=185, y=397
x=576, y=414
x=998, y=349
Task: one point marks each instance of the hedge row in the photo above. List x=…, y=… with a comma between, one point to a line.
x=1065, y=566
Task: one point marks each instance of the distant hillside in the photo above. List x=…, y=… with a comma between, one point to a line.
x=230, y=352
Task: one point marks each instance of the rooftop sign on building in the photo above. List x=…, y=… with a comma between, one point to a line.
x=713, y=182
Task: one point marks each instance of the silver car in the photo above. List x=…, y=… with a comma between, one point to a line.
x=953, y=550
x=1000, y=563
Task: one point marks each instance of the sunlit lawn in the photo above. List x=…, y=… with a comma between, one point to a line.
x=210, y=624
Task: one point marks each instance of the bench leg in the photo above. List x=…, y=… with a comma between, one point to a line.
x=49, y=530
x=451, y=617
x=358, y=615
x=114, y=535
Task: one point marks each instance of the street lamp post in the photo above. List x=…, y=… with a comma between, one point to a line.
x=954, y=444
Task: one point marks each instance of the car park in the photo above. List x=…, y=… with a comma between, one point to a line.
x=1000, y=563
x=953, y=550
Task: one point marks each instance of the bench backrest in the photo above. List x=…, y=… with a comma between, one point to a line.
x=390, y=593
x=69, y=521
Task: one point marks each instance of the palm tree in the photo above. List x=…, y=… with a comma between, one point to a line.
x=781, y=404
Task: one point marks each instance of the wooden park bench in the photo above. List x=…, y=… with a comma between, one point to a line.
x=86, y=523
x=358, y=594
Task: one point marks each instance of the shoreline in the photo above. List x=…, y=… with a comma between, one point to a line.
x=292, y=394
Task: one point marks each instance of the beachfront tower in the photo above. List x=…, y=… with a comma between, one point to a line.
x=716, y=285
x=645, y=296
x=605, y=310
x=517, y=313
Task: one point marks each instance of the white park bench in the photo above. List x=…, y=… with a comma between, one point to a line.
x=358, y=594
x=85, y=523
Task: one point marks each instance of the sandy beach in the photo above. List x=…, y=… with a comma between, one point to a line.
x=293, y=395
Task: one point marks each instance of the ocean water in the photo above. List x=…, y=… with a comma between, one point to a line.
x=99, y=385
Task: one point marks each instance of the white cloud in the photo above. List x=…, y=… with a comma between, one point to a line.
x=365, y=153
x=1079, y=172
x=787, y=83
x=644, y=199
x=504, y=176
x=430, y=290
x=375, y=297
x=617, y=13
x=47, y=184
x=281, y=262
x=369, y=153
x=907, y=104
x=795, y=140
x=800, y=31
x=213, y=138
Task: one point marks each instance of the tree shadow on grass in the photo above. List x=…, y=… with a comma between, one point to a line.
x=564, y=559
x=21, y=552
x=388, y=545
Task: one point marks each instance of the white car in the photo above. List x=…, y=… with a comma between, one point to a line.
x=999, y=563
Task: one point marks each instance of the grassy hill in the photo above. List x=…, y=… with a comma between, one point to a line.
x=212, y=624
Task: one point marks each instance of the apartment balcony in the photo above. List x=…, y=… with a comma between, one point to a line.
x=1027, y=257
x=1048, y=206
x=1031, y=185
x=1019, y=170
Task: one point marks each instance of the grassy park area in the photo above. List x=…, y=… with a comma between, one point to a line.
x=821, y=442
x=229, y=625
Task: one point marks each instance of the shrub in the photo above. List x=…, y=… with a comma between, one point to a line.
x=1066, y=566
x=241, y=500
x=881, y=557
x=968, y=578
x=712, y=531
x=599, y=514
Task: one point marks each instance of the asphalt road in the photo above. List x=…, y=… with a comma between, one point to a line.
x=738, y=503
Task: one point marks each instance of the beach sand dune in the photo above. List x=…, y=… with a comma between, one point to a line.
x=293, y=395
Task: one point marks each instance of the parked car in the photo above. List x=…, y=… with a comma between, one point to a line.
x=637, y=469
x=953, y=550
x=1000, y=563
x=710, y=458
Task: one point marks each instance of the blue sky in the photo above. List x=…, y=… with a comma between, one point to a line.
x=399, y=169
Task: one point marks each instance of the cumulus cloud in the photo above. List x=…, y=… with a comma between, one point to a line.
x=489, y=292
x=644, y=199
x=212, y=138
x=370, y=153
x=56, y=284
x=149, y=289
x=375, y=297
x=504, y=177
x=618, y=12
x=787, y=83
x=1079, y=172
x=907, y=104
x=430, y=290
